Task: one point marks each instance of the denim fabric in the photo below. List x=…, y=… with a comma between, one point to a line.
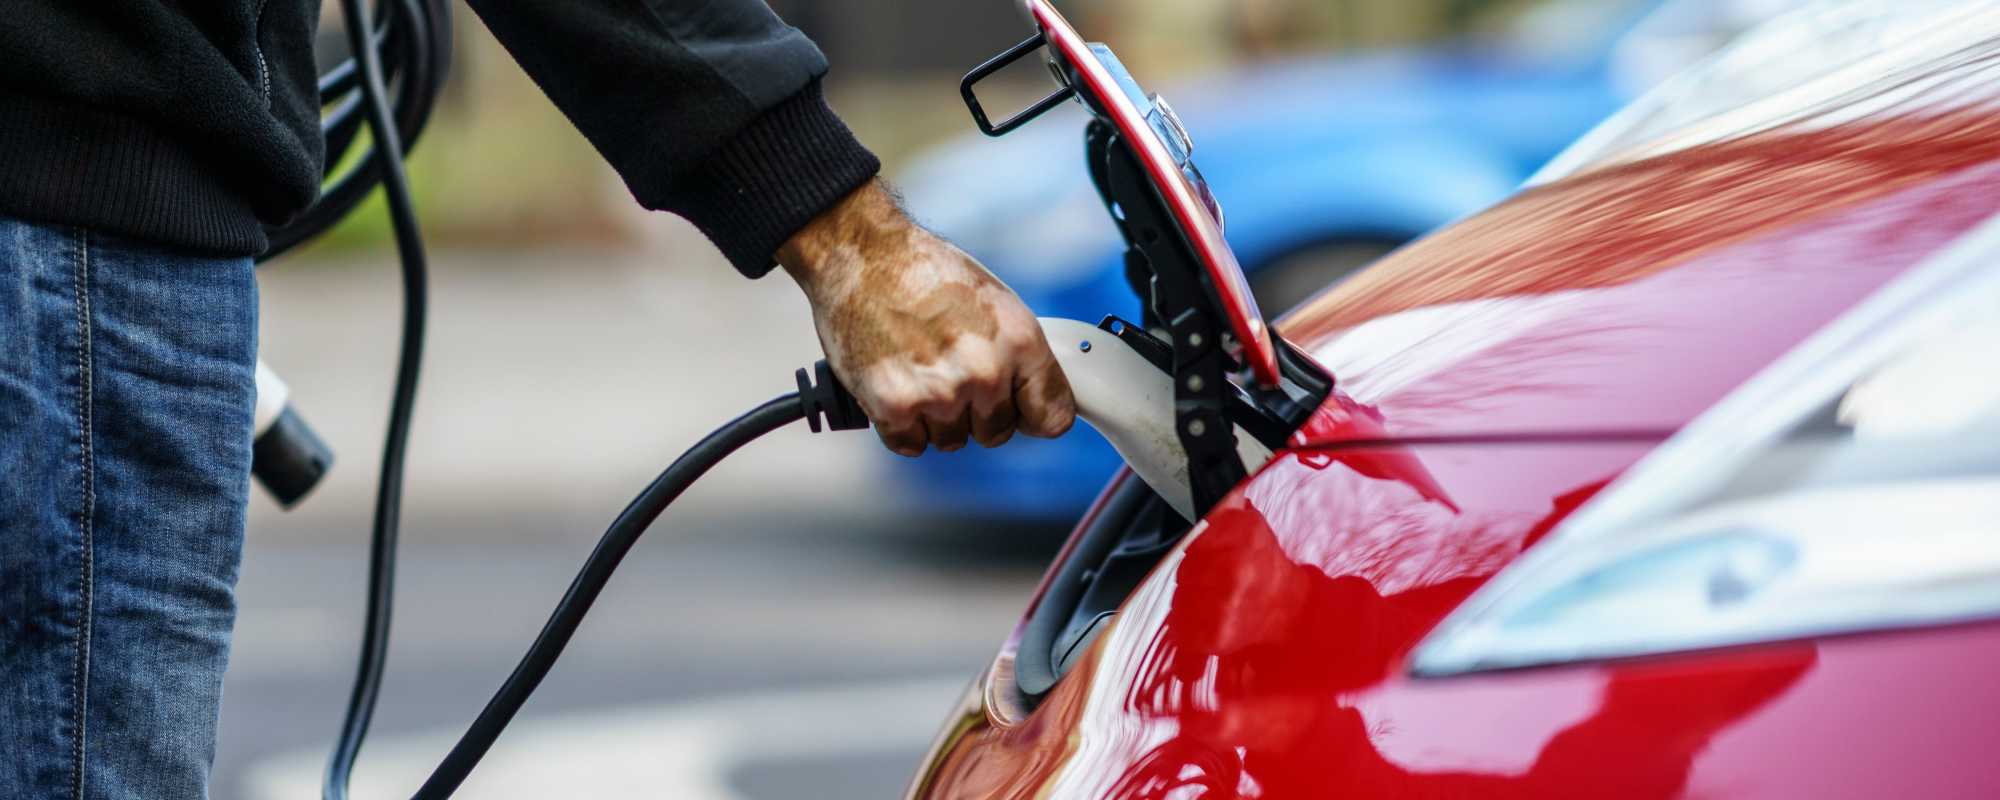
x=126, y=393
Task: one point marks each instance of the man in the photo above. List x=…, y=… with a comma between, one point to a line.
x=143, y=146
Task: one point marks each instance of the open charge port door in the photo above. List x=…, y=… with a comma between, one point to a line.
x=1119, y=549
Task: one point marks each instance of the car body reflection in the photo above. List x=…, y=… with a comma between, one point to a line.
x=1490, y=380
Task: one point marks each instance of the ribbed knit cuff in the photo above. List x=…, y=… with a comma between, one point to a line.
x=789, y=165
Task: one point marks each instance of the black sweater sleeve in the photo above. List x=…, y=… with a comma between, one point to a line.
x=710, y=109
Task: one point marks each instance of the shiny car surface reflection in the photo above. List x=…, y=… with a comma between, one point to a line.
x=1324, y=163
x=1543, y=379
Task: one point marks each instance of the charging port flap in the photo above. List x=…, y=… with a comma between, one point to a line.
x=1120, y=547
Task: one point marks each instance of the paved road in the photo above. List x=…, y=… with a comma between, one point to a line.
x=779, y=658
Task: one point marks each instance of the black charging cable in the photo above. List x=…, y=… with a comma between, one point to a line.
x=411, y=41
x=820, y=399
x=815, y=400
x=389, y=489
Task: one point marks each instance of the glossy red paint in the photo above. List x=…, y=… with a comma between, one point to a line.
x=1265, y=660
x=1492, y=379
x=1663, y=331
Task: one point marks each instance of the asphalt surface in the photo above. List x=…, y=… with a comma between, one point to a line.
x=784, y=632
x=705, y=612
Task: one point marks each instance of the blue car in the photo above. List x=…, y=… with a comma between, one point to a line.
x=1320, y=164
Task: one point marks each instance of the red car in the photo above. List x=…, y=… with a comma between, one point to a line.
x=1676, y=474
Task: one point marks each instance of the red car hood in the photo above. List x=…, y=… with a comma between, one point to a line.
x=1491, y=382
x=1627, y=300
x=1491, y=379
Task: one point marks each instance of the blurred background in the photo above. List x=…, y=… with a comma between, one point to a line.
x=802, y=620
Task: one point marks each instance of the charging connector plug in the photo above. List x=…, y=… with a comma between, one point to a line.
x=821, y=395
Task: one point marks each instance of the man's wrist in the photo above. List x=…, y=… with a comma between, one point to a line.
x=862, y=223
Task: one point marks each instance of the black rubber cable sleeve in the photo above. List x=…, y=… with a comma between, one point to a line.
x=386, y=120
x=590, y=581
x=389, y=497
x=415, y=48
x=346, y=76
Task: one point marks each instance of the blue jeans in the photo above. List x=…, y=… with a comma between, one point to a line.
x=126, y=393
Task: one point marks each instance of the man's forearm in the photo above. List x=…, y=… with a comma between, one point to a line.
x=709, y=109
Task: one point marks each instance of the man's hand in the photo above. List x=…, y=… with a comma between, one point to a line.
x=934, y=347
